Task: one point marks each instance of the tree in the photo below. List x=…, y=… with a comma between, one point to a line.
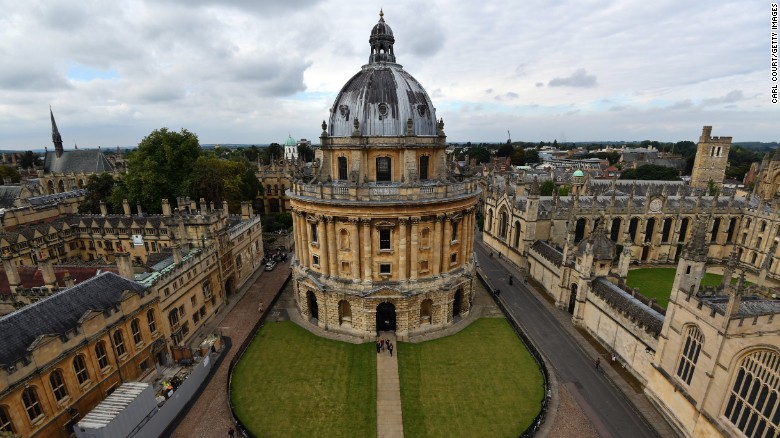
x=274, y=151
x=305, y=153
x=712, y=188
x=546, y=188
x=10, y=173
x=651, y=172
x=160, y=168
x=518, y=156
x=99, y=188
x=29, y=160
x=481, y=153
x=217, y=180
x=505, y=150
x=531, y=155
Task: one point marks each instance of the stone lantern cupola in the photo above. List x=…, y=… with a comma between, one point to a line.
x=381, y=41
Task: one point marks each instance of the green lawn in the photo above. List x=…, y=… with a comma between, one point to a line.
x=481, y=382
x=657, y=282
x=293, y=383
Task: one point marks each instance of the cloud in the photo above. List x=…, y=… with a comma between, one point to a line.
x=730, y=97
x=507, y=96
x=539, y=85
x=489, y=91
x=578, y=79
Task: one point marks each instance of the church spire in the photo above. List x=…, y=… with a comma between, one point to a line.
x=56, y=138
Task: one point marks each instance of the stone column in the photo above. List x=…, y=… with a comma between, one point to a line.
x=446, y=245
x=304, y=249
x=402, y=248
x=414, y=265
x=367, y=256
x=322, y=241
x=332, y=253
x=437, y=244
x=355, y=249
x=463, y=237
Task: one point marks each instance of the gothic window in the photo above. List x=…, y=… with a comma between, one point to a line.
x=715, y=228
x=752, y=406
x=579, y=230
x=683, y=229
x=614, y=231
x=5, y=421
x=383, y=169
x=632, y=226
x=689, y=354
x=753, y=259
x=342, y=163
x=747, y=224
x=151, y=321
x=504, y=225
x=649, y=228
x=58, y=385
x=666, y=230
x=424, y=167
x=32, y=404
x=384, y=240
x=119, y=343
x=135, y=328
x=730, y=231
x=80, y=368
x=517, y=234
x=762, y=227
x=101, y=354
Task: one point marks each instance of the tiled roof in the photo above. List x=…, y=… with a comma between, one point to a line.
x=84, y=160
x=9, y=194
x=59, y=313
x=548, y=252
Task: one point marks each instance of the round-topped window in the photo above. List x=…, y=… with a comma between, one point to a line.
x=382, y=109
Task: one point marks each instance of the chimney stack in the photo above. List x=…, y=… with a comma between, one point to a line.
x=166, y=208
x=124, y=265
x=126, y=207
x=246, y=210
x=69, y=281
x=140, y=212
x=47, y=269
x=103, y=208
x=203, y=206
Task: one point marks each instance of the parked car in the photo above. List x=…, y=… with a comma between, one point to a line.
x=270, y=266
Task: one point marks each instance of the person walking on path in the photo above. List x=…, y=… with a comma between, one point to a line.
x=378, y=347
x=231, y=432
x=598, y=362
x=382, y=344
x=390, y=348
x=510, y=279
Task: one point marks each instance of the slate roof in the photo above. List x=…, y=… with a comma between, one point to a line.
x=83, y=160
x=628, y=305
x=31, y=276
x=9, y=194
x=49, y=199
x=748, y=306
x=548, y=252
x=59, y=313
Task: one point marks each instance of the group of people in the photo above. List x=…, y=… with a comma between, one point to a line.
x=383, y=344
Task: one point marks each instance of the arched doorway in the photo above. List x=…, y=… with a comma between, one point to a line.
x=456, y=307
x=345, y=313
x=385, y=317
x=573, y=298
x=311, y=301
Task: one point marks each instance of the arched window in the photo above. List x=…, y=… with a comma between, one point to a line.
x=504, y=225
x=454, y=230
x=753, y=259
x=50, y=185
x=5, y=421
x=32, y=404
x=753, y=406
x=689, y=354
x=762, y=227
x=119, y=343
x=632, y=226
x=151, y=321
x=342, y=165
x=173, y=318
x=517, y=234
x=424, y=167
x=80, y=368
x=649, y=229
x=135, y=328
x=276, y=189
x=101, y=354
x=730, y=231
x=747, y=223
x=58, y=385
x=489, y=222
x=61, y=186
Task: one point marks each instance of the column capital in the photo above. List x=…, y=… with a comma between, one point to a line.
x=353, y=220
x=365, y=221
x=327, y=218
x=403, y=220
x=440, y=217
x=416, y=220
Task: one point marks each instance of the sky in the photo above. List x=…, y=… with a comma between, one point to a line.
x=254, y=72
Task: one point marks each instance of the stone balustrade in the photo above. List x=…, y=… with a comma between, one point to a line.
x=384, y=192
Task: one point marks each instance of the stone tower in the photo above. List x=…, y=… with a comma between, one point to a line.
x=711, y=159
x=693, y=260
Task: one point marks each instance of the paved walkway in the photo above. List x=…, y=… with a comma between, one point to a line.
x=209, y=415
x=389, y=422
x=613, y=407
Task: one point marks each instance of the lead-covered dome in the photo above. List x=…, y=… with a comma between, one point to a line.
x=382, y=98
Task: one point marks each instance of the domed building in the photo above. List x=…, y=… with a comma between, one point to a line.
x=383, y=228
